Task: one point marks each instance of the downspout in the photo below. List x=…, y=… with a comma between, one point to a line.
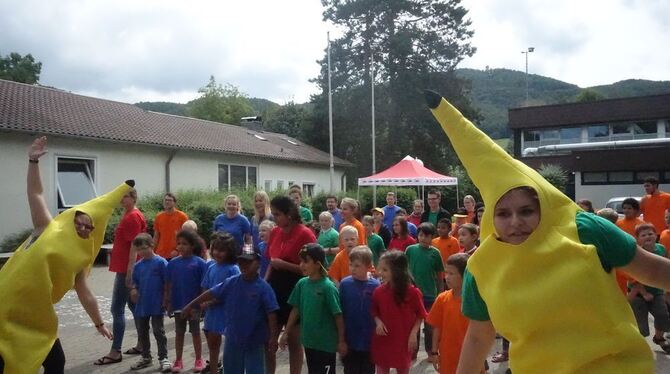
x=343, y=182
x=167, y=170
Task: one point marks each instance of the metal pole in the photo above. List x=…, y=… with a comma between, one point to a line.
x=372, y=100
x=526, y=78
x=330, y=124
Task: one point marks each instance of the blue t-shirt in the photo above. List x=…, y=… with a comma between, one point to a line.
x=356, y=298
x=389, y=214
x=265, y=260
x=247, y=305
x=411, y=228
x=185, y=276
x=255, y=232
x=337, y=217
x=237, y=226
x=149, y=277
x=215, y=319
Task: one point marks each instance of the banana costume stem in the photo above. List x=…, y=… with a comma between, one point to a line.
x=548, y=295
x=38, y=275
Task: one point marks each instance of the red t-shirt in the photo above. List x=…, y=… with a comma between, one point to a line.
x=131, y=224
x=401, y=244
x=391, y=351
x=287, y=246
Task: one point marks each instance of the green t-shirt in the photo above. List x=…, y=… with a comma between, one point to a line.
x=424, y=265
x=329, y=239
x=432, y=218
x=306, y=215
x=376, y=244
x=318, y=302
x=615, y=249
x=658, y=250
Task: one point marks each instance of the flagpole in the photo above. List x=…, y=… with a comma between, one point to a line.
x=330, y=124
x=372, y=89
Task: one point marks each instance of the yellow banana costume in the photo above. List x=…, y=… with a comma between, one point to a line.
x=39, y=274
x=549, y=295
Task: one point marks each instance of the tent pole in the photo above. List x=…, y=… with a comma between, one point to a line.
x=358, y=193
x=457, y=198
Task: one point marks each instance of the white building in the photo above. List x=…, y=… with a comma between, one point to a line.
x=95, y=144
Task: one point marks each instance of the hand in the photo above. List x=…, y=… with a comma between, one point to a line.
x=342, y=348
x=283, y=341
x=435, y=360
x=105, y=332
x=277, y=263
x=38, y=148
x=206, y=304
x=412, y=343
x=174, y=254
x=134, y=295
x=186, y=312
x=129, y=279
x=381, y=329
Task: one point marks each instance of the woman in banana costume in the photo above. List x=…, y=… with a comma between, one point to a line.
x=55, y=258
x=543, y=272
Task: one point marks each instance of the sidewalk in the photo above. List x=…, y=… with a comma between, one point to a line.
x=83, y=345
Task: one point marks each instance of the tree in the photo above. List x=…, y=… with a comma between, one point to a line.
x=291, y=119
x=588, y=95
x=555, y=175
x=16, y=68
x=219, y=103
x=416, y=44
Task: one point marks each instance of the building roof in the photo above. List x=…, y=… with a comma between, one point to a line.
x=641, y=108
x=42, y=110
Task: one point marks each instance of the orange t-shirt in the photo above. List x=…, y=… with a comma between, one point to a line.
x=167, y=225
x=653, y=207
x=339, y=269
x=362, y=237
x=628, y=225
x=445, y=314
x=447, y=247
x=664, y=239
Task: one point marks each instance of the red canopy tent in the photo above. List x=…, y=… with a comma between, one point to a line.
x=409, y=172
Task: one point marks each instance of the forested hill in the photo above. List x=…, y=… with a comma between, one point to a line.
x=493, y=91
x=258, y=105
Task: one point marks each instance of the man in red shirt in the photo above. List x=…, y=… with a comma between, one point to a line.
x=166, y=225
x=654, y=204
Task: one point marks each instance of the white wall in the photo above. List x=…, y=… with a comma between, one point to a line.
x=117, y=162
x=600, y=194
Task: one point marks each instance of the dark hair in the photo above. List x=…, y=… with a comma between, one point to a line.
x=401, y=211
x=400, y=277
x=459, y=261
x=287, y=206
x=403, y=226
x=170, y=194
x=444, y=221
x=224, y=242
x=361, y=253
x=426, y=228
x=651, y=180
x=143, y=240
x=471, y=228
x=435, y=192
x=588, y=203
x=632, y=202
x=193, y=239
x=475, y=219
x=331, y=197
x=644, y=227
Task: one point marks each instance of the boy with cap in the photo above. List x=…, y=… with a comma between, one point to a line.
x=251, y=319
x=316, y=302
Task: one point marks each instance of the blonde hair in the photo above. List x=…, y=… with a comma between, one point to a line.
x=266, y=199
x=361, y=253
x=232, y=197
x=348, y=229
x=470, y=198
x=369, y=220
x=190, y=225
x=352, y=203
x=608, y=214
x=267, y=224
x=326, y=214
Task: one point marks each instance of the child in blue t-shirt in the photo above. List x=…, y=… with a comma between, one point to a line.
x=185, y=274
x=149, y=277
x=223, y=248
x=356, y=297
x=251, y=319
x=264, y=230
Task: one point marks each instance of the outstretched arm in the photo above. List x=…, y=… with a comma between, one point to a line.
x=478, y=341
x=90, y=304
x=649, y=269
x=38, y=206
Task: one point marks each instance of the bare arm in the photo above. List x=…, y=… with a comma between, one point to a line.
x=38, y=206
x=272, y=341
x=204, y=297
x=478, y=342
x=413, y=343
x=132, y=258
x=285, y=265
x=435, y=359
x=341, y=342
x=649, y=269
x=292, y=320
x=90, y=304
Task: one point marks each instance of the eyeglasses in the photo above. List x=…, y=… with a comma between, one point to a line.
x=84, y=225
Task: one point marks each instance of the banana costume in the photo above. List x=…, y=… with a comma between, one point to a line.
x=549, y=295
x=39, y=274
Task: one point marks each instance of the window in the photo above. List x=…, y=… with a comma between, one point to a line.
x=645, y=130
x=666, y=177
x=75, y=181
x=640, y=176
x=268, y=185
x=622, y=131
x=620, y=176
x=594, y=177
x=308, y=189
x=237, y=176
x=598, y=133
x=280, y=185
x=550, y=137
x=667, y=128
x=570, y=135
x=531, y=138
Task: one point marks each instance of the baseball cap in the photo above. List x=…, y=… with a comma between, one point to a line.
x=461, y=213
x=377, y=209
x=315, y=252
x=248, y=254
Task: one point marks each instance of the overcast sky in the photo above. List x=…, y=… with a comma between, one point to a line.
x=139, y=50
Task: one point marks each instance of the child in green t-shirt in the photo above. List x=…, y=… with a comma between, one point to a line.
x=329, y=239
x=375, y=242
x=316, y=302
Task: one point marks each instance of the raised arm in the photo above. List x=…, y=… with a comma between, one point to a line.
x=38, y=206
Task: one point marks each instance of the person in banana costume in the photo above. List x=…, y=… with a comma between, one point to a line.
x=543, y=272
x=55, y=258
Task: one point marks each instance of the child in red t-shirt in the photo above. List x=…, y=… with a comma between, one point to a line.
x=397, y=307
x=401, y=237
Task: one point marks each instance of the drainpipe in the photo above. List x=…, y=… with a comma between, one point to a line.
x=167, y=170
x=343, y=182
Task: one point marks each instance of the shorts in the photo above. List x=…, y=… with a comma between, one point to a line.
x=319, y=362
x=193, y=323
x=657, y=308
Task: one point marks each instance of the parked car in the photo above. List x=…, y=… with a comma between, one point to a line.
x=615, y=203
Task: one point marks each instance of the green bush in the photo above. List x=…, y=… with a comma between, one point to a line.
x=555, y=175
x=13, y=241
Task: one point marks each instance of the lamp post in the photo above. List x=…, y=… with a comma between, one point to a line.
x=526, y=52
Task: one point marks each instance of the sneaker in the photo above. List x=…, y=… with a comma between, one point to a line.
x=178, y=366
x=142, y=363
x=199, y=366
x=166, y=367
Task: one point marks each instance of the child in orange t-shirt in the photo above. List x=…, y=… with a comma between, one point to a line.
x=665, y=234
x=339, y=269
x=631, y=216
x=449, y=324
x=444, y=242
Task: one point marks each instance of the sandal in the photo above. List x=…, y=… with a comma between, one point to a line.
x=133, y=351
x=106, y=360
x=500, y=357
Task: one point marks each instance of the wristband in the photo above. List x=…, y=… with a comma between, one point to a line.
x=433, y=354
x=100, y=325
x=33, y=161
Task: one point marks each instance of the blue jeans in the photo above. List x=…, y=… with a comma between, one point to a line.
x=237, y=360
x=120, y=297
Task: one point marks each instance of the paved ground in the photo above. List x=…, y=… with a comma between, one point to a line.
x=83, y=345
